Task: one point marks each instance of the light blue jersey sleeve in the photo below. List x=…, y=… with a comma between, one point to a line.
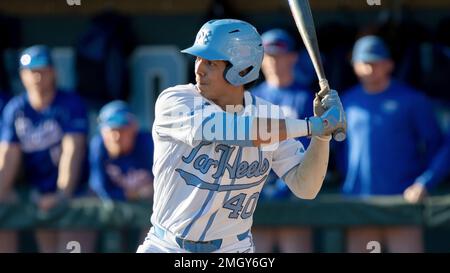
x=183, y=115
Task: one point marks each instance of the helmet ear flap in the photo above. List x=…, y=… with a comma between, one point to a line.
x=232, y=75
x=237, y=77
x=226, y=72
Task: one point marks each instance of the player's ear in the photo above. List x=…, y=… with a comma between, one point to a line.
x=53, y=76
x=134, y=126
x=388, y=66
x=293, y=57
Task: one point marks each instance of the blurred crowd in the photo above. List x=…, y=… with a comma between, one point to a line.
x=395, y=144
x=393, y=88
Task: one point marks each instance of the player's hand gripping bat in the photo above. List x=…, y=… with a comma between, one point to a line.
x=305, y=24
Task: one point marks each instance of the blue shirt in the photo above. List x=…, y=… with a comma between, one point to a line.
x=110, y=177
x=439, y=166
x=3, y=100
x=295, y=102
x=39, y=134
x=391, y=139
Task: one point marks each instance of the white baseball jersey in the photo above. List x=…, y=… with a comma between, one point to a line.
x=207, y=190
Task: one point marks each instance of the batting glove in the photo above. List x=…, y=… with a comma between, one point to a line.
x=329, y=122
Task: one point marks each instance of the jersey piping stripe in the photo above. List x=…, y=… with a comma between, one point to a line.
x=208, y=198
x=210, y=194
x=231, y=186
x=193, y=180
x=211, y=219
x=208, y=225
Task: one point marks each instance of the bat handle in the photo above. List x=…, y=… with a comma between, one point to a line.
x=338, y=135
x=323, y=83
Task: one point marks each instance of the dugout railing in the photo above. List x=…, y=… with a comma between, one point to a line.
x=329, y=213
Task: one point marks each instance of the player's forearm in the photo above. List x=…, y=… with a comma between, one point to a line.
x=249, y=131
x=270, y=131
x=10, y=156
x=97, y=186
x=306, y=180
x=70, y=164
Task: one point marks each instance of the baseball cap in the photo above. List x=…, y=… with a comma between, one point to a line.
x=277, y=41
x=370, y=49
x=37, y=56
x=115, y=114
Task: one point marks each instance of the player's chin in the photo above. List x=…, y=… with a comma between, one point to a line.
x=201, y=81
x=202, y=86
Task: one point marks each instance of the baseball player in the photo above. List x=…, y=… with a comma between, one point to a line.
x=8, y=238
x=121, y=160
x=45, y=129
x=215, y=144
x=4, y=98
x=120, y=156
x=392, y=137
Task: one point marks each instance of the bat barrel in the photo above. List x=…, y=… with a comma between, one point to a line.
x=304, y=21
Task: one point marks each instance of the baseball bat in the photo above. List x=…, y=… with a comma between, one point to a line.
x=304, y=21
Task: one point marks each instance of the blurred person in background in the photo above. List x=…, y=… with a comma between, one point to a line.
x=4, y=98
x=392, y=137
x=8, y=238
x=436, y=173
x=121, y=156
x=282, y=88
x=45, y=129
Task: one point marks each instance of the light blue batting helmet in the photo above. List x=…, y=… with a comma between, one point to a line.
x=234, y=41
